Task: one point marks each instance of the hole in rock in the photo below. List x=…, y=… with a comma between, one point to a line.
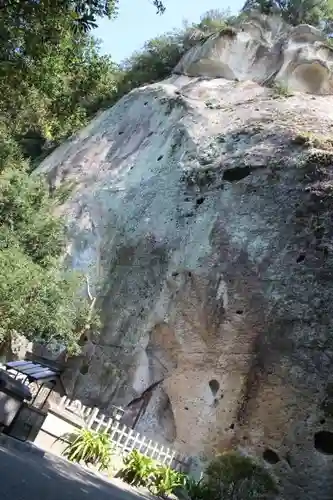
x=236, y=174
x=323, y=442
x=214, y=386
x=200, y=200
x=160, y=158
x=146, y=103
x=232, y=426
x=270, y=456
x=300, y=258
x=150, y=134
x=84, y=369
x=120, y=132
x=239, y=311
x=323, y=421
x=175, y=274
x=185, y=407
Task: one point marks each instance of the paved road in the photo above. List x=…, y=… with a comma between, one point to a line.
x=35, y=476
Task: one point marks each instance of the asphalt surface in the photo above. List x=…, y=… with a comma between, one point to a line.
x=41, y=476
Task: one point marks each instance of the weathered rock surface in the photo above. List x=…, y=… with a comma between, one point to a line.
x=201, y=209
x=267, y=51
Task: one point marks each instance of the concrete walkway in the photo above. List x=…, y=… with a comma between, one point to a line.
x=29, y=473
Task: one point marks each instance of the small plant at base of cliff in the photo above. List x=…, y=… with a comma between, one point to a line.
x=232, y=476
x=137, y=470
x=164, y=481
x=197, y=490
x=280, y=90
x=90, y=447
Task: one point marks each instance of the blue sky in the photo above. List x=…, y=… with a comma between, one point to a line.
x=137, y=22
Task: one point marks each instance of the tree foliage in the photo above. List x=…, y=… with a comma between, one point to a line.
x=82, y=13
x=315, y=12
x=48, y=90
x=37, y=298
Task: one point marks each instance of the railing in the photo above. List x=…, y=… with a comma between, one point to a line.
x=87, y=413
x=123, y=437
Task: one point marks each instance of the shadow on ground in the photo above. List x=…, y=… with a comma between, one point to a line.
x=29, y=475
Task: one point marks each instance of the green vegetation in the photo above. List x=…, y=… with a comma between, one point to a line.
x=318, y=13
x=236, y=477
x=197, y=490
x=232, y=476
x=229, y=476
x=165, y=481
x=37, y=299
x=315, y=12
x=90, y=447
x=139, y=470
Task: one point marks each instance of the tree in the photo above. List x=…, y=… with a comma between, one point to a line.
x=215, y=19
x=37, y=298
x=48, y=90
x=153, y=63
x=84, y=13
x=318, y=13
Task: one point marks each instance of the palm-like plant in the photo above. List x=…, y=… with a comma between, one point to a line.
x=90, y=447
x=165, y=480
x=137, y=469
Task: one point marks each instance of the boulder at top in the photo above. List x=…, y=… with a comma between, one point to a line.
x=265, y=50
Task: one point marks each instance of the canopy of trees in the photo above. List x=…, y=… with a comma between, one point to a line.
x=52, y=81
x=315, y=12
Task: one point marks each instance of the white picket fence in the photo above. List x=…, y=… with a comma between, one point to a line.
x=88, y=413
x=123, y=437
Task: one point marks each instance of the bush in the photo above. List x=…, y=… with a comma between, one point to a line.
x=137, y=469
x=38, y=298
x=232, y=476
x=90, y=447
x=197, y=490
x=165, y=480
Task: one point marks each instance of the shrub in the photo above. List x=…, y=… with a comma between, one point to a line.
x=165, y=480
x=137, y=469
x=90, y=447
x=237, y=477
x=197, y=490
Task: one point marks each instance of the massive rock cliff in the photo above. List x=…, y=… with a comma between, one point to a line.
x=201, y=210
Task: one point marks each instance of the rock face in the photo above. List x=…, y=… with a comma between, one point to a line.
x=267, y=51
x=201, y=209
